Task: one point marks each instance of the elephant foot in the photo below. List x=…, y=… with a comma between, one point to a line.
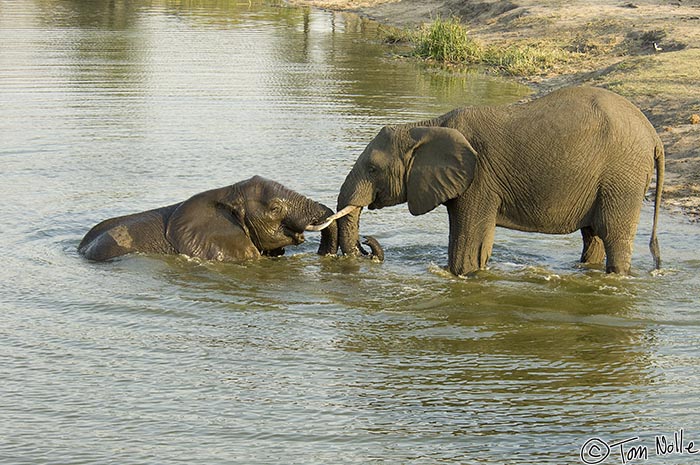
x=376, y=249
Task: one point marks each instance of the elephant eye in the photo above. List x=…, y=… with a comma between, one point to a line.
x=276, y=208
x=374, y=162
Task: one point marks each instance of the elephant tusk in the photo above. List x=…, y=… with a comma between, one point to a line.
x=345, y=211
x=318, y=227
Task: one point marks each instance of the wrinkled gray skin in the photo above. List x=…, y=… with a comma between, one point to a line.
x=244, y=221
x=577, y=159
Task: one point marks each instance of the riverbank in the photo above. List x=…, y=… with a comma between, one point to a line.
x=646, y=50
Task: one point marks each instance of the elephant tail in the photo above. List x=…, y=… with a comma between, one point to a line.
x=659, y=160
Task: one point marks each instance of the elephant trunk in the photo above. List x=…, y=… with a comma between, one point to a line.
x=355, y=193
x=349, y=233
x=375, y=246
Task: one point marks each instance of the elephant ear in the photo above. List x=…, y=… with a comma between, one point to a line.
x=203, y=227
x=442, y=167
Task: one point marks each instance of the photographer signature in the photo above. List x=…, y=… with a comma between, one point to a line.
x=596, y=450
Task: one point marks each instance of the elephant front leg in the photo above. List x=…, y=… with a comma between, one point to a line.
x=472, y=231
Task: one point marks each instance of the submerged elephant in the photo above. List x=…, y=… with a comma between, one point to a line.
x=239, y=222
x=577, y=159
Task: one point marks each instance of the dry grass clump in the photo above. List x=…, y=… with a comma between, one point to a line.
x=525, y=59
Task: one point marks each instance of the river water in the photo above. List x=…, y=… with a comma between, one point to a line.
x=108, y=108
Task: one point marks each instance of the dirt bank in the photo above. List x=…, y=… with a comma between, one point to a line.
x=646, y=50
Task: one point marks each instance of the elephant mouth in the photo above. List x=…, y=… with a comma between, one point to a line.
x=295, y=236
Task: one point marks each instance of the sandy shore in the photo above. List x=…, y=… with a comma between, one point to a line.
x=646, y=50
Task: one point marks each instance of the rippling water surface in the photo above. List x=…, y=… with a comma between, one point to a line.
x=108, y=108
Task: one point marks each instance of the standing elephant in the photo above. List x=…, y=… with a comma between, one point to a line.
x=240, y=222
x=579, y=158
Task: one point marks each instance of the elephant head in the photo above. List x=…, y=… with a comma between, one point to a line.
x=424, y=166
x=263, y=214
x=238, y=222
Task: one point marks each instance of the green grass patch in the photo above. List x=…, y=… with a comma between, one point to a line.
x=448, y=41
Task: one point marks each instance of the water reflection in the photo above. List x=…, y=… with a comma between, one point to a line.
x=491, y=338
x=112, y=15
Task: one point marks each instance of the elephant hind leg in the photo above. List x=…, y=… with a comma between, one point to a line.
x=619, y=226
x=593, y=248
x=619, y=253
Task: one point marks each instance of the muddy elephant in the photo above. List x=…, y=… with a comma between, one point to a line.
x=580, y=158
x=252, y=218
